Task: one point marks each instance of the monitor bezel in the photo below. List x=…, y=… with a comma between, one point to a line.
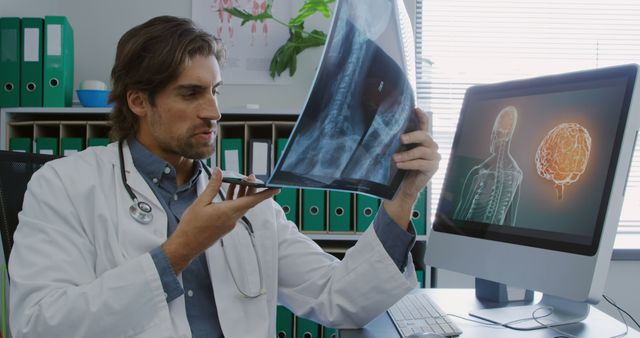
x=530, y=237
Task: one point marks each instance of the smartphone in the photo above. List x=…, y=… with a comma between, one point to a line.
x=237, y=179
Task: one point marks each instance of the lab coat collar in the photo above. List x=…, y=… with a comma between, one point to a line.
x=134, y=179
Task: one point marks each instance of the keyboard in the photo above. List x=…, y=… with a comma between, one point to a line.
x=417, y=313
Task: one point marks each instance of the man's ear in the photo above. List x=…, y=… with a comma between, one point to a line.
x=138, y=102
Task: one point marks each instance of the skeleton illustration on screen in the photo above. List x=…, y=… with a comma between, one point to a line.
x=491, y=190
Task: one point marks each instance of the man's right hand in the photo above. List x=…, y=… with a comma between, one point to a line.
x=205, y=221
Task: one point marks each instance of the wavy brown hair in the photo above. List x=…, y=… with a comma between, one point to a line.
x=149, y=57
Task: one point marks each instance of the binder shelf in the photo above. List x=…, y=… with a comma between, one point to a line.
x=325, y=216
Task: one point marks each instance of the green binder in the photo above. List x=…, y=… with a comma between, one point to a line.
x=366, y=210
x=284, y=322
x=306, y=328
x=288, y=197
x=47, y=145
x=313, y=210
x=231, y=155
x=10, y=57
x=20, y=144
x=329, y=332
x=339, y=211
x=97, y=141
x=420, y=276
x=31, y=71
x=70, y=145
x=418, y=216
x=57, y=62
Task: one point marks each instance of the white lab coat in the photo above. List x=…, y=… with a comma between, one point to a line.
x=81, y=266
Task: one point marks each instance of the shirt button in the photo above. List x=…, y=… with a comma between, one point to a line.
x=175, y=197
x=190, y=293
x=167, y=170
x=155, y=180
x=166, y=295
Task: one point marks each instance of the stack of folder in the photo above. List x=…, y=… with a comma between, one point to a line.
x=314, y=210
x=20, y=144
x=340, y=212
x=10, y=57
x=288, y=197
x=284, y=322
x=36, y=62
x=64, y=146
x=419, y=214
x=366, y=210
x=288, y=325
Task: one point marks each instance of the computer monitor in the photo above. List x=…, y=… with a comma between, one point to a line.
x=534, y=188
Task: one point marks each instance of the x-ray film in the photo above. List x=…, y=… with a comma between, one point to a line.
x=362, y=100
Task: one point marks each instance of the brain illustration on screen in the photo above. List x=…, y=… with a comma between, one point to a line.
x=563, y=155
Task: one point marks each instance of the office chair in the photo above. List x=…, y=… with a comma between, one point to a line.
x=16, y=170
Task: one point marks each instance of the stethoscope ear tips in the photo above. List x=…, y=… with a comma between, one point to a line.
x=141, y=212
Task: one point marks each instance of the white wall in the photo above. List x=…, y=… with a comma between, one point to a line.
x=98, y=25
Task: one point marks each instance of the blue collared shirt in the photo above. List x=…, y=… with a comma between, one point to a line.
x=202, y=313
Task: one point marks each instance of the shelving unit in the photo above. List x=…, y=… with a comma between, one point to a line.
x=86, y=123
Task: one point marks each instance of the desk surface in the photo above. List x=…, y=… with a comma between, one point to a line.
x=460, y=301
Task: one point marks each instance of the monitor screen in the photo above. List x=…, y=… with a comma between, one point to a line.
x=532, y=162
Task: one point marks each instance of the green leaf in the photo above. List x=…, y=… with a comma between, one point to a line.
x=280, y=60
x=311, y=7
x=286, y=56
x=293, y=63
x=248, y=17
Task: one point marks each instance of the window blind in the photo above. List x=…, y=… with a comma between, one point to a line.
x=460, y=43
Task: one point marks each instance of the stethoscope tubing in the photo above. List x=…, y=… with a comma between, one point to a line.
x=141, y=212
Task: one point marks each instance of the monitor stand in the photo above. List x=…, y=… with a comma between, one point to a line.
x=550, y=311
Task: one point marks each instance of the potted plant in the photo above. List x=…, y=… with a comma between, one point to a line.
x=285, y=57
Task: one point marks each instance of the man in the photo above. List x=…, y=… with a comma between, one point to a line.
x=135, y=240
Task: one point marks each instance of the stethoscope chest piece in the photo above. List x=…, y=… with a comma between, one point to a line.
x=141, y=212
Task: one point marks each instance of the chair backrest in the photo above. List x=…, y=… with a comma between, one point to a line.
x=16, y=170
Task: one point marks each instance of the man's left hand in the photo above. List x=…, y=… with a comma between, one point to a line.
x=421, y=162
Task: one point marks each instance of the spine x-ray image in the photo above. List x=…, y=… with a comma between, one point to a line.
x=360, y=104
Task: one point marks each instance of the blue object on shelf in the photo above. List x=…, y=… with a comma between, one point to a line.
x=94, y=97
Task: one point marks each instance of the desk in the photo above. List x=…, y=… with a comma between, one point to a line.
x=460, y=301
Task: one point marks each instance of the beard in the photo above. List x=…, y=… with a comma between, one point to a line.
x=187, y=147
x=185, y=144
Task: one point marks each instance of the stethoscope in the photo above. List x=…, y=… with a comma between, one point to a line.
x=141, y=212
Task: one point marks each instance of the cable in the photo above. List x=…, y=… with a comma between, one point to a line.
x=626, y=330
x=620, y=309
x=483, y=322
x=563, y=334
x=507, y=325
x=533, y=315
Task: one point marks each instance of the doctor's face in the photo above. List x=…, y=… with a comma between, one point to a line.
x=182, y=122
